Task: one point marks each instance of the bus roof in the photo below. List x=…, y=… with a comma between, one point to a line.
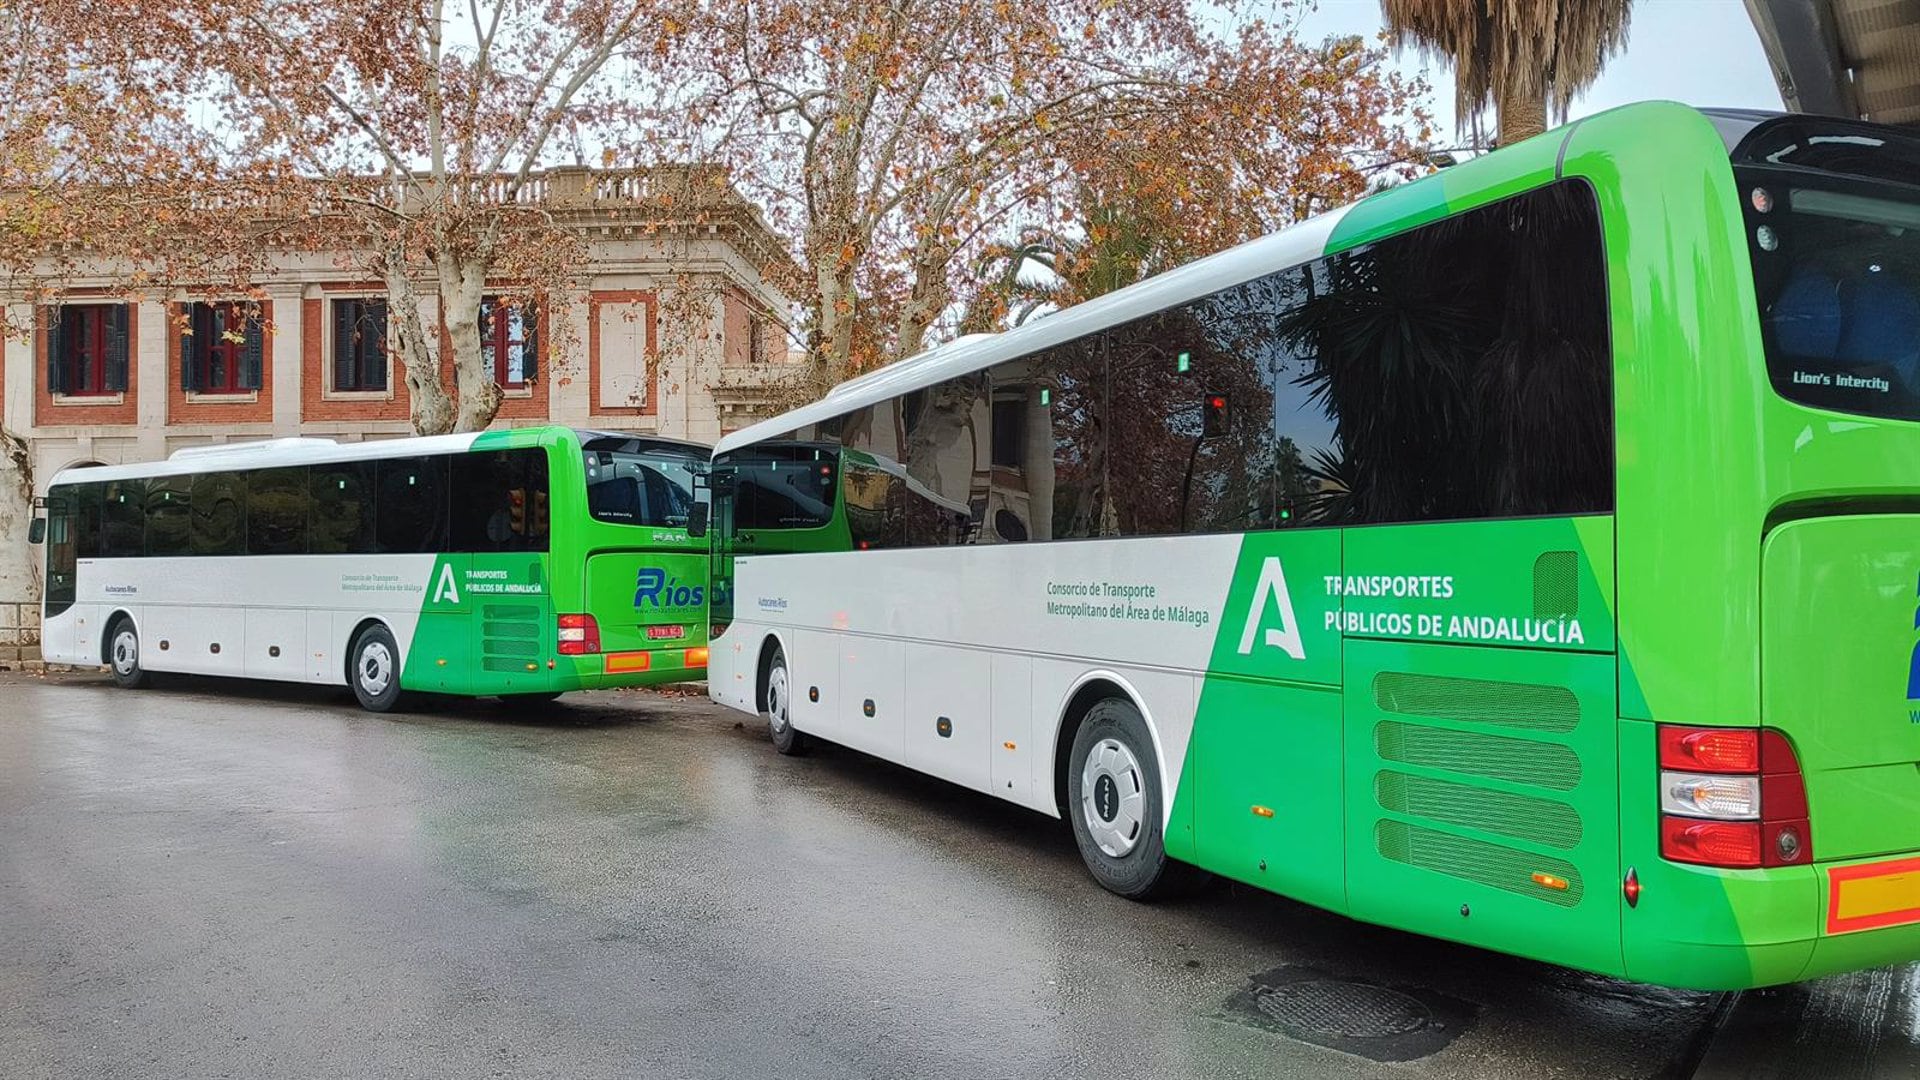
x=273, y=453
x=1291, y=246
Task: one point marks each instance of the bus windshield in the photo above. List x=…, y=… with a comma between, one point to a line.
x=1838, y=280
x=629, y=483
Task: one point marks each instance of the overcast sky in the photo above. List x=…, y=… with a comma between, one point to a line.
x=1701, y=52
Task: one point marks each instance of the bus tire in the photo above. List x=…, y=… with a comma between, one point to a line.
x=776, y=704
x=1115, y=801
x=374, y=673
x=123, y=655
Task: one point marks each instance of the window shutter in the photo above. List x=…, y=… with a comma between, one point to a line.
x=530, y=353
x=119, y=318
x=188, y=381
x=343, y=346
x=374, y=348
x=56, y=353
x=253, y=351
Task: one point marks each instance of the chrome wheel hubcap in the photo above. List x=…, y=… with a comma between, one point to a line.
x=1113, y=797
x=777, y=699
x=376, y=668
x=126, y=652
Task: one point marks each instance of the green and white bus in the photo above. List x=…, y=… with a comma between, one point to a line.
x=1527, y=556
x=523, y=563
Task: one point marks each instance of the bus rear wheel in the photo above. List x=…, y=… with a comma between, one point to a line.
x=375, y=671
x=776, y=704
x=1115, y=802
x=123, y=655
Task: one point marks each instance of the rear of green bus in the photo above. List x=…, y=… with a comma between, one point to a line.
x=1765, y=281
x=631, y=562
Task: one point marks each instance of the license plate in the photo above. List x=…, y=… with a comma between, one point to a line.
x=666, y=633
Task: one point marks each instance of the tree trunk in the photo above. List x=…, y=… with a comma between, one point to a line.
x=19, y=562
x=1522, y=114
x=924, y=304
x=839, y=307
x=463, y=282
x=407, y=338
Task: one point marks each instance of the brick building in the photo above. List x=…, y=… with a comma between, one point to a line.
x=675, y=330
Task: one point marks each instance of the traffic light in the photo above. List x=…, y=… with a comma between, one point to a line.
x=539, y=513
x=517, y=510
x=1214, y=416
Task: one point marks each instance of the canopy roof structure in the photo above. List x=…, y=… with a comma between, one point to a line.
x=1852, y=58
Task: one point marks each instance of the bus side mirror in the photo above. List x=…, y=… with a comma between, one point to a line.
x=37, y=532
x=697, y=520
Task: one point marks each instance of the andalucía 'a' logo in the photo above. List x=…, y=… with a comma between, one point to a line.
x=444, y=589
x=1286, y=636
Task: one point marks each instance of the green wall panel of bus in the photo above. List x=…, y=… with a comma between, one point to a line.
x=485, y=627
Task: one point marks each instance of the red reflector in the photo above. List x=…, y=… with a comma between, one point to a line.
x=622, y=662
x=696, y=658
x=1631, y=887
x=1733, y=844
x=1714, y=750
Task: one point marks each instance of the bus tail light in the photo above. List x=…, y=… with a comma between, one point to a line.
x=1732, y=797
x=579, y=635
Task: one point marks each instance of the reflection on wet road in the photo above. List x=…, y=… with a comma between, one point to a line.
x=245, y=879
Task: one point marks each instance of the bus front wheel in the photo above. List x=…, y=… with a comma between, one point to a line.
x=375, y=672
x=1115, y=800
x=776, y=704
x=123, y=655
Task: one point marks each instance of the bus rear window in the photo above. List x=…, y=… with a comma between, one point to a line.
x=1837, y=273
x=783, y=487
x=636, y=488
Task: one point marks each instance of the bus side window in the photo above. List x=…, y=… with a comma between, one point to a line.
x=410, y=506
x=219, y=514
x=277, y=511
x=169, y=515
x=86, y=520
x=500, y=501
x=341, y=510
x=123, y=519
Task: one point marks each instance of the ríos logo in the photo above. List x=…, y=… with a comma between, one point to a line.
x=1286, y=636
x=655, y=589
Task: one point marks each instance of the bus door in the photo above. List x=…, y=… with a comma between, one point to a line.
x=1481, y=705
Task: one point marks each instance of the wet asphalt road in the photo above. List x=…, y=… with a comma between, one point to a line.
x=239, y=879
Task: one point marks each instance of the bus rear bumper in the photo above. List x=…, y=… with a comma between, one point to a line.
x=1741, y=929
x=653, y=667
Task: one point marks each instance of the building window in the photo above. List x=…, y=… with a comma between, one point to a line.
x=508, y=341
x=222, y=347
x=359, y=345
x=87, y=349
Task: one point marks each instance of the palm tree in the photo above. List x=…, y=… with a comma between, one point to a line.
x=1522, y=57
